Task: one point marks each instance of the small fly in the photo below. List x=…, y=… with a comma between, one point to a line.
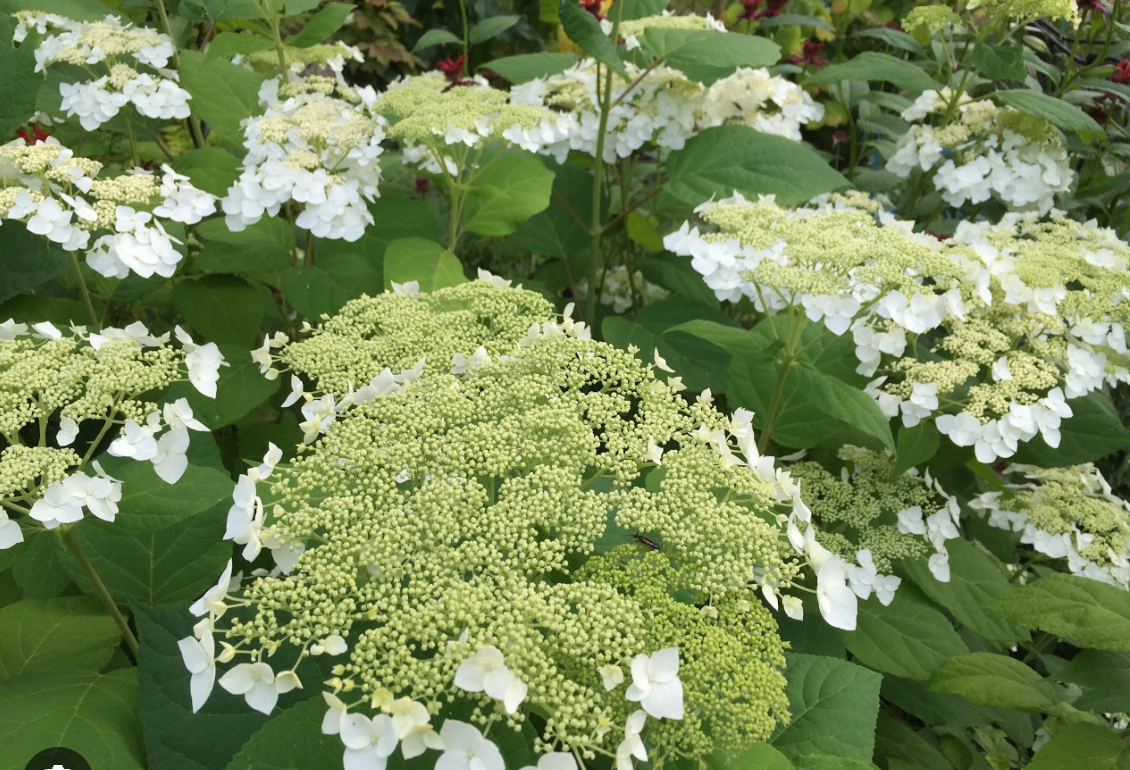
x=646, y=541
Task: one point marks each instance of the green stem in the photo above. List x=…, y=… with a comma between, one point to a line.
x=309, y=256
x=132, y=143
x=193, y=124
x=83, y=290
x=466, y=38
x=103, y=593
x=783, y=367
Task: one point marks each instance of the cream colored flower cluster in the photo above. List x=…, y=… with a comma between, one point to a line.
x=1068, y=514
x=495, y=516
x=1009, y=321
x=317, y=145
x=985, y=152
x=60, y=196
x=66, y=396
x=118, y=49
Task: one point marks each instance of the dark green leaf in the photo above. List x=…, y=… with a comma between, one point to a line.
x=313, y=292
x=506, y=193
x=41, y=634
x=740, y=159
x=794, y=20
x=209, y=168
x=761, y=756
x=896, y=741
x=893, y=38
x=1105, y=679
x=909, y=638
x=223, y=93
x=556, y=232
x=995, y=680
x=833, y=705
x=228, y=44
x=221, y=308
x=875, y=66
x=241, y=388
x=846, y=403
x=492, y=27
x=291, y=740
x=428, y=263
x=584, y=30
x=27, y=261
x=1056, y=111
x=1082, y=747
x=1085, y=612
x=329, y=19
x=915, y=446
x=708, y=55
x=530, y=66
x=81, y=10
x=641, y=9
x=999, y=62
x=20, y=85
x=218, y=10
x=93, y=714
x=434, y=37
x=1094, y=431
x=150, y=504
x=40, y=569
x=264, y=248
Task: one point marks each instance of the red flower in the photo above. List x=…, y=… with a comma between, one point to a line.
x=423, y=185
x=593, y=7
x=753, y=10
x=37, y=134
x=1121, y=74
x=452, y=68
x=893, y=25
x=810, y=55
x=839, y=136
x=1092, y=5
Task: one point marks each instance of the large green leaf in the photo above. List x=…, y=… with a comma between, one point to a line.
x=1085, y=612
x=1104, y=677
x=707, y=55
x=40, y=634
x=845, y=403
x=240, y=389
x=19, y=87
x=292, y=740
x=221, y=308
x=584, y=30
x=264, y=248
x=175, y=738
x=895, y=741
x=524, y=67
x=974, y=582
x=150, y=504
x=492, y=27
x=93, y=714
x=882, y=67
x=81, y=10
x=27, y=261
x=314, y=291
x=557, y=231
x=726, y=159
x=1056, y=111
x=916, y=446
x=999, y=62
x=1093, y=432
x=995, y=680
x=329, y=19
x=171, y=566
x=757, y=755
x=423, y=261
x=908, y=638
x=218, y=10
x=210, y=168
x=508, y=191
x=1083, y=747
x=223, y=93
x=833, y=704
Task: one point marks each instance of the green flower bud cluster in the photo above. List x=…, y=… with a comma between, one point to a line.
x=488, y=496
x=1069, y=514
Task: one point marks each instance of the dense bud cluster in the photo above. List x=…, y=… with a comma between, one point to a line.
x=461, y=522
x=117, y=49
x=55, y=386
x=991, y=331
x=986, y=151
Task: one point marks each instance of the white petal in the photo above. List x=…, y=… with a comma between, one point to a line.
x=262, y=697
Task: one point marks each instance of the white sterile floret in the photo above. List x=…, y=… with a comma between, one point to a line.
x=199, y=655
x=369, y=741
x=257, y=683
x=486, y=671
x=655, y=684
x=465, y=748
x=10, y=532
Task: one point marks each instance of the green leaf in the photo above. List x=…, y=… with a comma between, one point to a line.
x=226, y=45
x=291, y=740
x=524, y=67
x=1082, y=747
x=974, y=582
x=434, y=37
x=1094, y=431
x=999, y=62
x=59, y=311
x=175, y=738
x=894, y=38
x=507, y=192
x=875, y=66
x=19, y=87
x=211, y=169
x=794, y=20
x=150, y=504
x=846, y=403
x=218, y=10
x=583, y=29
x=895, y=740
x=174, y=565
x=1056, y=111
x=761, y=756
x=223, y=93
x=641, y=9
x=1085, y=612
x=492, y=27
x=221, y=308
x=908, y=638
x=676, y=275
x=27, y=261
x=916, y=446
x=394, y=218
x=329, y=19
x=80, y=10
x=93, y=714
x=833, y=704
x=40, y=570
x=264, y=248
x=295, y=7
x=707, y=55
x=240, y=389
x=1104, y=677
x=556, y=232
x=41, y=634
x=727, y=159
x=995, y=680
x=416, y=259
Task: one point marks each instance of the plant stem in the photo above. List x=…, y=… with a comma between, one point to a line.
x=193, y=124
x=466, y=38
x=309, y=257
x=103, y=593
x=83, y=290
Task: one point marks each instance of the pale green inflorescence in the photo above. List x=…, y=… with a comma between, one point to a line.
x=491, y=501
